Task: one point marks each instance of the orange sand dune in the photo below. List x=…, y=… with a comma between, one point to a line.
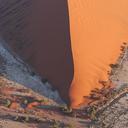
x=98, y=28
x=38, y=31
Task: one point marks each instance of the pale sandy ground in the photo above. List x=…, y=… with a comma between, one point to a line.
x=116, y=115
x=49, y=115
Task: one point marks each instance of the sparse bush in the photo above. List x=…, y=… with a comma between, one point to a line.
x=65, y=109
x=55, y=124
x=70, y=126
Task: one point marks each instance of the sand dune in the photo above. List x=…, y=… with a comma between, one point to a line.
x=39, y=32
x=98, y=29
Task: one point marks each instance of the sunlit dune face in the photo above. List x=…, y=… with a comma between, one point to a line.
x=98, y=29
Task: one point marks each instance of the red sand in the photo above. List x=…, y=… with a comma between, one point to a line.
x=39, y=32
x=98, y=29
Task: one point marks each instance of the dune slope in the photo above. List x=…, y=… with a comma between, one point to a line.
x=98, y=29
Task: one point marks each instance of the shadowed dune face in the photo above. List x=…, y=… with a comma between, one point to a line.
x=98, y=29
x=39, y=32
x=53, y=57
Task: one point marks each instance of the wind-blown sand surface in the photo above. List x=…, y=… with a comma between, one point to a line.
x=38, y=31
x=95, y=44
x=98, y=28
